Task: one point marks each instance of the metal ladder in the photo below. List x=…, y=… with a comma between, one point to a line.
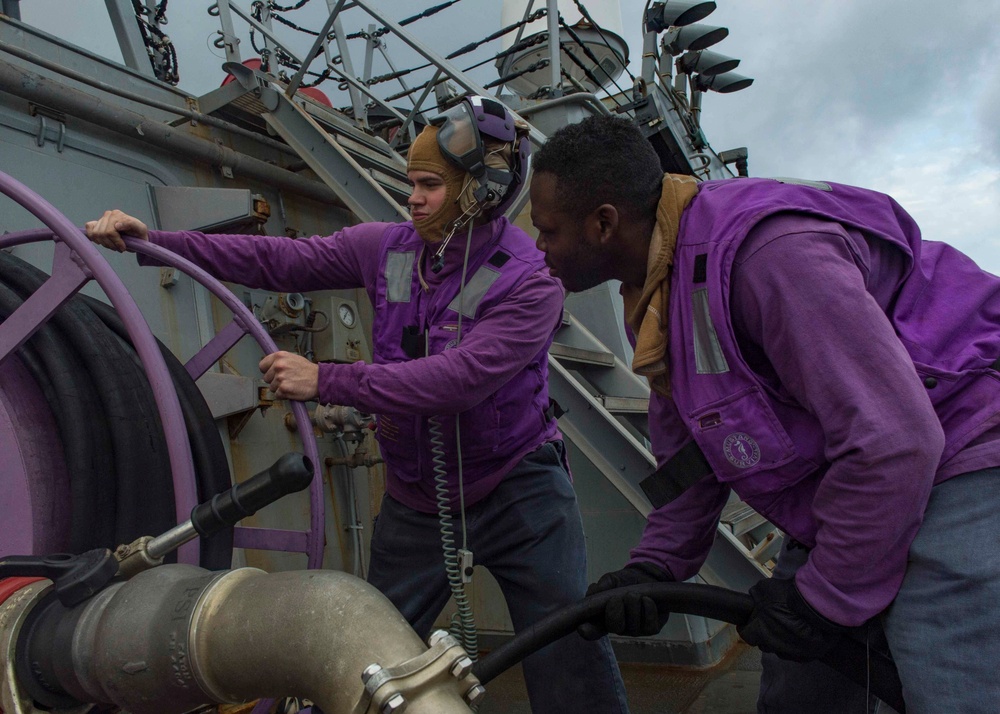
x=362, y=169
x=606, y=418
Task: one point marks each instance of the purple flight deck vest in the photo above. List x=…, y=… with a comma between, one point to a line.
x=511, y=418
x=946, y=313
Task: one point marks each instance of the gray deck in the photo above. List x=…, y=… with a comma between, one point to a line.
x=728, y=688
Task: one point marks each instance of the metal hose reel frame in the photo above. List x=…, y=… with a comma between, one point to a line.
x=75, y=263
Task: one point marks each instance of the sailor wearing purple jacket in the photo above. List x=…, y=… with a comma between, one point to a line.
x=470, y=364
x=835, y=371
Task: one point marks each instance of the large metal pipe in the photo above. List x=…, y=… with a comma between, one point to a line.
x=73, y=102
x=177, y=636
x=65, y=71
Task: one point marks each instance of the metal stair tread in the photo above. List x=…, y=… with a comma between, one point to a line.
x=581, y=355
x=741, y=518
x=625, y=405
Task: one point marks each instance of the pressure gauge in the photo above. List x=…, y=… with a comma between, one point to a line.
x=346, y=314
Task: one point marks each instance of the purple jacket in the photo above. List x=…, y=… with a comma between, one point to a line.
x=508, y=420
x=496, y=378
x=831, y=367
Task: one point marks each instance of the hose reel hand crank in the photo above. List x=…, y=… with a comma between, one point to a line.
x=292, y=472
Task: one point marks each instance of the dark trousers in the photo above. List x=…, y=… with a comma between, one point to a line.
x=529, y=535
x=941, y=628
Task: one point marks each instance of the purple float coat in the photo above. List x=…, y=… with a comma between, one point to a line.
x=496, y=378
x=832, y=367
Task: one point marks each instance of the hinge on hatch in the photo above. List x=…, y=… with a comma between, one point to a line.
x=49, y=121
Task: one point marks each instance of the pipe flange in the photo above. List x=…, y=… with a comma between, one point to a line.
x=292, y=304
x=210, y=599
x=13, y=612
x=444, y=666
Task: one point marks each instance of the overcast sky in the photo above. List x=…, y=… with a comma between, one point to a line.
x=902, y=96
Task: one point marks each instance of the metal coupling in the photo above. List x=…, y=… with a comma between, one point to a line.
x=133, y=558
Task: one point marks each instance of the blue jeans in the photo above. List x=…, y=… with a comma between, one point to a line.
x=943, y=628
x=529, y=535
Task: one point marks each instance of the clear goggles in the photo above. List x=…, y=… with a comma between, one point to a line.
x=459, y=140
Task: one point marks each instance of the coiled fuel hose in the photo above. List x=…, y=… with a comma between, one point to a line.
x=92, y=379
x=463, y=625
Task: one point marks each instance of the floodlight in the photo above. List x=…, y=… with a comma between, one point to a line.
x=722, y=83
x=706, y=62
x=660, y=15
x=692, y=37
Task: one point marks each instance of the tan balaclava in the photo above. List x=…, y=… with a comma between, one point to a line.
x=425, y=155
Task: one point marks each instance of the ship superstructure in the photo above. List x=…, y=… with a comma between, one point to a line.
x=300, y=138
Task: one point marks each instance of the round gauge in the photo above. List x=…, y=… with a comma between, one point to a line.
x=347, y=316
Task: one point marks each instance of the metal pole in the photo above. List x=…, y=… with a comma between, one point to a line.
x=12, y=9
x=446, y=67
x=649, y=58
x=555, y=70
x=126, y=27
x=315, y=49
x=517, y=37
x=360, y=112
x=230, y=42
x=34, y=87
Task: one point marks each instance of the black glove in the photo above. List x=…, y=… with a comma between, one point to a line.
x=629, y=613
x=783, y=623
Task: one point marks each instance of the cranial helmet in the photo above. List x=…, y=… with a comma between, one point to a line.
x=482, y=137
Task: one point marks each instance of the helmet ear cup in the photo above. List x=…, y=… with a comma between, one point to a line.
x=517, y=172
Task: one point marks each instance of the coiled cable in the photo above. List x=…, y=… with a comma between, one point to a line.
x=463, y=626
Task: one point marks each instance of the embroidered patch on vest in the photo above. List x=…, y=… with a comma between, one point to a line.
x=741, y=450
x=399, y=275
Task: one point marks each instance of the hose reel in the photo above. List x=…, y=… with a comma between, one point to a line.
x=76, y=261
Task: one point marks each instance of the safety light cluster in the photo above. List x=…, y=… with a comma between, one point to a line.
x=688, y=42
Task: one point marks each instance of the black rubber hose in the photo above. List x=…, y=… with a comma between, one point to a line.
x=209, y=455
x=83, y=431
x=869, y=668
x=143, y=483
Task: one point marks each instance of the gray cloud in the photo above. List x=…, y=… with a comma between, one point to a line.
x=841, y=78
x=898, y=95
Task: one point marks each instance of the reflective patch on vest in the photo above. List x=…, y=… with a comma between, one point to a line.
x=804, y=182
x=474, y=292
x=708, y=357
x=741, y=450
x=399, y=276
